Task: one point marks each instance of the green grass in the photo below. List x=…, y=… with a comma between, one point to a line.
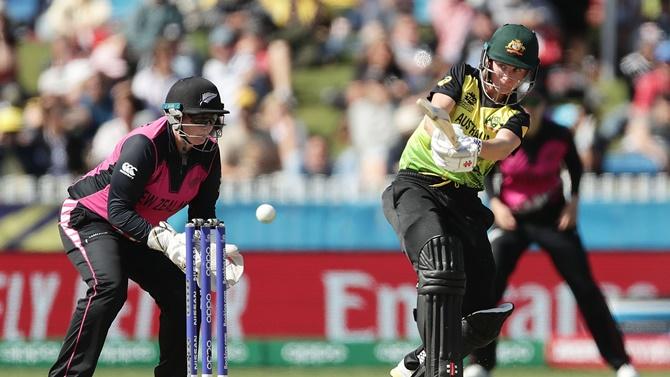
x=33, y=57
x=308, y=84
x=334, y=372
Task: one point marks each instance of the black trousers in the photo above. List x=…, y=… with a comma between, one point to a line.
x=106, y=260
x=419, y=212
x=569, y=257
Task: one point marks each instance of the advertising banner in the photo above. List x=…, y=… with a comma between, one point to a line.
x=289, y=352
x=340, y=297
x=581, y=351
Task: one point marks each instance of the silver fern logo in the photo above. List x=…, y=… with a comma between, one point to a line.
x=206, y=97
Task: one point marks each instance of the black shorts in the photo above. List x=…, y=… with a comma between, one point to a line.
x=419, y=212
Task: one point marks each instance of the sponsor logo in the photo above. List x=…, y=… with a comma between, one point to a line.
x=314, y=353
x=467, y=163
x=515, y=47
x=206, y=97
x=128, y=170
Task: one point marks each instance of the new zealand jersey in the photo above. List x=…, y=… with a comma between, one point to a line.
x=146, y=180
x=532, y=176
x=478, y=116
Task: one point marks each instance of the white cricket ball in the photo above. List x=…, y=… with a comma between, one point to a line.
x=266, y=213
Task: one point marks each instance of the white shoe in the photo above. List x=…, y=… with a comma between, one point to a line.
x=400, y=370
x=625, y=370
x=476, y=370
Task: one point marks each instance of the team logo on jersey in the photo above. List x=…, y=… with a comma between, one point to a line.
x=515, y=47
x=128, y=170
x=493, y=122
x=206, y=97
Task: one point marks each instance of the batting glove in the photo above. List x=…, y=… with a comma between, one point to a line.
x=447, y=157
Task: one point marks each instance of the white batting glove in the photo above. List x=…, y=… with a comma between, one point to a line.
x=461, y=159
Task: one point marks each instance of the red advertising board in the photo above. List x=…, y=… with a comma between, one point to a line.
x=340, y=296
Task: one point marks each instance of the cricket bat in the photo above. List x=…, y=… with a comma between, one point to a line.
x=440, y=119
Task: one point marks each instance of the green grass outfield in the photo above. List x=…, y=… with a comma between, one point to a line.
x=335, y=372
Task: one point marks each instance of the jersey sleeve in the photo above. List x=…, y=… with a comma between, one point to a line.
x=518, y=123
x=489, y=185
x=573, y=164
x=451, y=84
x=132, y=171
x=204, y=204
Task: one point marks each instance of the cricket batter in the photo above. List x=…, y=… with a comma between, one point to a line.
x=112, y=225
x=434, y=208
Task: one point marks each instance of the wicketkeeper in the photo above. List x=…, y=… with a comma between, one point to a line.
x=434, y=208
x=112, y=225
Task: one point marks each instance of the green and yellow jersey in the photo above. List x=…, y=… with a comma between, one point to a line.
x=478, y=116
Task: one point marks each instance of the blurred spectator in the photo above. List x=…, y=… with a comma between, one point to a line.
x=24, y=13
x=108, y=58
x=11, y=122
x=347, y=161
x=227, y=68
x=413, y=58
x=246, y=150
x=377, y=75
x=655, y=82
x=316, y=159
x=96, y=102
x=67, y=70
x=371, y=99
x=153, y=20
x=128, y=115
x=79, y=20
x=152, y=83
x=451, y=20
x=649, y=89
x=8, y=67
x=641, y=60
x=405, y=119
x=535, y=14
x=277, y=117
x=45, y=144
x=481, y=29
x=303, y=24
x=340, y=41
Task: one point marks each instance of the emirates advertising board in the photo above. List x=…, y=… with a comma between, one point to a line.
x=340, y=304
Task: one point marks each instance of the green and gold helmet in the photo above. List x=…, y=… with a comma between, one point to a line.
x=517, y=46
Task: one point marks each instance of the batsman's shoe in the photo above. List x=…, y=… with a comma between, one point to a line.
x=401, y=371
x=483, y=326
x=475, y=370
x=408, y=365
x=627, y=370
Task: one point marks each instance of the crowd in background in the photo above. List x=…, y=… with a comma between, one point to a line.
x=112, y=62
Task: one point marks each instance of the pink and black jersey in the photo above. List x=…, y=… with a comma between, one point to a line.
x=531, y=176
x=146, y=180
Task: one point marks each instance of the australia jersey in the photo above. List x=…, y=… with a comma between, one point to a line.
x=478, y=116
x=146, y=180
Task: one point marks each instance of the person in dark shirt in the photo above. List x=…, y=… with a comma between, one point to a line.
x=530, y=207
x=113, y=223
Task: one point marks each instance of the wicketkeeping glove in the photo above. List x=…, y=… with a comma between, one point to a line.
x=461, y=159
x=165, y=239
